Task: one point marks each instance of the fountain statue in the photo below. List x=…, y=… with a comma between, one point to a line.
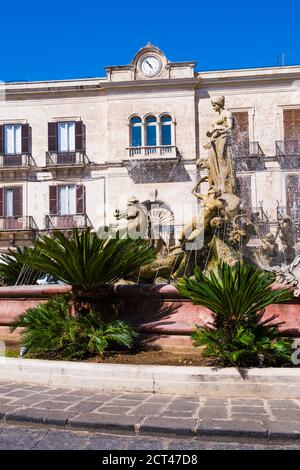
x=222, y=229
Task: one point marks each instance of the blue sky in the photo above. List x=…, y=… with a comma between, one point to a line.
x=70, y=39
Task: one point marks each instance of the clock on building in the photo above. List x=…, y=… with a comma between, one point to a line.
x=150, y=65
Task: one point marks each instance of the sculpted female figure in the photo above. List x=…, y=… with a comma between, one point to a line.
x=219, y=163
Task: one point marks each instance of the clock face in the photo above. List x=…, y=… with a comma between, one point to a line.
x=150, y=66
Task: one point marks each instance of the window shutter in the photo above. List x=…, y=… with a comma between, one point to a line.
x=52, y=136
x=80, y=199
x=291, y=121
x=17, y=201
x=25, y=138
x=1, y=139
x=53, y=200
x=1, y=202
x=79, y=136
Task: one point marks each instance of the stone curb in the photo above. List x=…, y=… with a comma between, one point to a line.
x=155, y=426
x=205, y=381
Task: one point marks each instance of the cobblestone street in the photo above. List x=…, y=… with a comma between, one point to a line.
x=149, y=414
x=32, y=438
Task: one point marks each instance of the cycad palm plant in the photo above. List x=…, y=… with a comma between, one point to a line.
x=89, y=264
x=237, y=296
x=49, y=329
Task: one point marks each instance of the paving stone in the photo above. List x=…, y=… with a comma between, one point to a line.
x=53, y=405
x=231, y=428
x=287, y=404
x=246, y=402
x=32, y=399
x=123, y=402
x=7, y=409
x=147, y=409
x=216, y=402
x=170, y=425
x=117, y=410
x=36, y=388
x=183, y=406
x=80, y=393
x=9, y=384
x=248, y=409
x=192, y=398
x=85, y=406
x=4, y=401
x=9, y=388
x=281, y=414
x=102, y=398
x=164, y=399
x=18, y=393
x=213, y=412
x=263, y=418
x=67, y=398
x=180, y=414
x=57, y=391
x=282, y=429
x=137, y=396
x=55, y=417
x=104, y=421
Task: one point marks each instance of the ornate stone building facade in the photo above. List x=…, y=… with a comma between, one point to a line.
x=73, y=151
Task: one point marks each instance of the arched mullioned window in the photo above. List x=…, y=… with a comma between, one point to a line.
x=152, y=131
x=151, y=134
x=135, y=131
x=166, y=129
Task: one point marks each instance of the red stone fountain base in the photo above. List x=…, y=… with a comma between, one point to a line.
x=162, y=316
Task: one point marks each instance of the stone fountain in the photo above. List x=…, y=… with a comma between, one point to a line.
x=221, y=231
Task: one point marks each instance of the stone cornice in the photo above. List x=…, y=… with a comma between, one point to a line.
x=158, y=83
x=234, y=77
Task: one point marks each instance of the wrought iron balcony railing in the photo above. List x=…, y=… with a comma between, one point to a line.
x=287, y=147
x=248, y=156
x=16, y=160
x=294, y=213
x=78, y=157
x=255, y=150
x=159, y=151
x=247, y=149
x=65, y=222
x=18, y=223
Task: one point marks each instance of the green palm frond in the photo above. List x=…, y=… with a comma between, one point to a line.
x=233, y=291
x=50, y=329
x=87, y=262
x=237, y=296
x=14, y=268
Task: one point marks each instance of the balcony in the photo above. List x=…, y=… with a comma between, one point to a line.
x=21, y=160
x=17, y=223
x=248, y=156
x=288, y=147
x=78, y=157
x=288, y=153
x=164, y=152
x=67, y=222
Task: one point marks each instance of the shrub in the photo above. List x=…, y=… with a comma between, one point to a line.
x=49, y=329
x=89, y=264
x=237, y=296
